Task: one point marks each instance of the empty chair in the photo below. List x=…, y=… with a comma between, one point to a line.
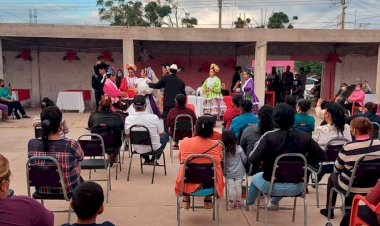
x=38, y=131
x=183, y=127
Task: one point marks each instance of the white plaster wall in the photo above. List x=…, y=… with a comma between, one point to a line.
x=355, y=68
x=17, y=71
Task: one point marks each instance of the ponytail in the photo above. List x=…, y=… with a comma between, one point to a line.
x=46, y=130
x=51, y=118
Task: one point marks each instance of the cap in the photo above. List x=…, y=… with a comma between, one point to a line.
x=139, y=100
x=173, y=67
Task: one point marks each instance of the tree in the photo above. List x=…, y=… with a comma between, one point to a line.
x=122, y=13
x=156, y=13
x=309, y=66
x=240, y=23
x=188, y=21
x=278, y=20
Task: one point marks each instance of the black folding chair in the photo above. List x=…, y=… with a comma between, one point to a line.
x=124, y=146
x=376, y=130
x=287, y=168
x=95, y=157
x=332, y=149
x=183, y=127
x=140, y=135
x=365, y=174
x=112, y=140
x=46, y=176
x=38, y=131
x=199, y=173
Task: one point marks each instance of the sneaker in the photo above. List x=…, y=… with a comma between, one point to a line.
x=231, y=205
x=237, y=204
x=272, y=207
x=25, y=116
x=324, y=212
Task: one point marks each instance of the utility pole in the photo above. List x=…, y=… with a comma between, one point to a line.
x=220, y=13
x=343, y=14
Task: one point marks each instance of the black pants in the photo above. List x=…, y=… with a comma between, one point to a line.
x=165, y=115
x=328, y=168
x=98, y=96
x=333, y=182
x=365, y=213
x=15, y=105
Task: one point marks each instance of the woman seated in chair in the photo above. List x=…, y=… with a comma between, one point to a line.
x=204, y=145
x=370, y=112
x=105, y=117
x=67, y=151
x=303, y=121
x=361, y=129
x=274, y=143
x=20, y=210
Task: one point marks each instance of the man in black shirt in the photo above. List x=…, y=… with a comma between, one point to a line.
x=287, y=81
x=97, y=81
x=236, y=77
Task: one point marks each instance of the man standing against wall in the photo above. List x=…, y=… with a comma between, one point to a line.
x=287, y=82
x=303, y=81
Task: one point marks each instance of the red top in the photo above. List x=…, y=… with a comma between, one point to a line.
x=374, y=197
x=229, y=115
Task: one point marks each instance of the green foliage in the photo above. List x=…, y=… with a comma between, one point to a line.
x=309, y=66
x=189, y=22
x=156, y=13
x=240, y=23
x=278, y=20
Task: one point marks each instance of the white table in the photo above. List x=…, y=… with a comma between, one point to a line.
x=14, y=95
x=197, y=101
x=70, y=101
x=370, y=98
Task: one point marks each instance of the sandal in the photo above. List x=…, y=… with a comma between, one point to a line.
x=186, y=204
x=208, y=203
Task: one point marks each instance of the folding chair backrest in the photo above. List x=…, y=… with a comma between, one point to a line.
x=289, y=168
x=333, y=147
x=376, y=128
x=38, y=131
x=183, y=125
x=139, y=135
x=366, y=171
x=94, y=147
x=111, y=137
x=199, y=173
x=49, y=175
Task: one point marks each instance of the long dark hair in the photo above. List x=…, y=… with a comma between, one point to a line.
x=204, y=126
x=229, y=141
x=51, y=118
x=337, y=114
x=283, y=117
x=265, y=119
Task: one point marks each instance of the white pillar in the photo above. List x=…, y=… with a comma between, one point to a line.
x=128, y=53
x=1, y=61
x=378, y=76
x=35, y=92
x=260, y=67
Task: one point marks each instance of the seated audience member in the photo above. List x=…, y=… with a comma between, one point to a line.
x=302, y=120
x=156, y=129
x=104, y=116
x=224, y=90
x=246, y=118
x=344, y=92
x=369, y=111
x=356, y=96
x=253, y=133
x=20, y=210
x=204, y=145
x=179, y=109
x=67, y=151
x=87, y=203
x=364, y=212
x=231, y=113
x=6, y=98
x=46, y=102
x=274, y=143
x=215, y=134
x=361, y=129
x=4, y=112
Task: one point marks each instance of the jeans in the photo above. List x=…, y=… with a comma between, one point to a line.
x=157, y=153
x=234, y=189
x=259, y=184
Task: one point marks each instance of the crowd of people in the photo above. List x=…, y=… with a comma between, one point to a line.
x=253, y=137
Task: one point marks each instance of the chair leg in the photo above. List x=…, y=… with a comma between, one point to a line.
x=266, y=198
x=129, y=167
x=109, y=176
x=124, y=145
x=178, y=211
x=294, y=209
x=213, y=207
x=258, y=208
x=316, y=188
x=89, y=176
x=171, y=149
x=304, y=211
x=217, y=210
x=69, y=215
x=329, y=206
x=246, y=193
x=163, y=155
x=343, y=206
x=154, y=168
x=117, y=169
x=108, y=183
x=193, y=203
x=226, y=188
x=119, y=161
x=141, y=165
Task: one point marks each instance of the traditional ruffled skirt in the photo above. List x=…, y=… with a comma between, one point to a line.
x=214, y=106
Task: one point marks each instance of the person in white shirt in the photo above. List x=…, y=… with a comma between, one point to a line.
x=156, y=129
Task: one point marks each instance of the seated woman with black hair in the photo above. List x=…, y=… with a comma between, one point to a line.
x=67, y=151
x=274, y=143
x=204, y=145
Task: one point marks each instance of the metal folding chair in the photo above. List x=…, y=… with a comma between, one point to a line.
x=376, y=130
x=287, y=168
x=38, y=131
x=365, y=174
x=46, y=176
x=95, y=157
x=140, y=135
x=183, y=127
x=199, y=173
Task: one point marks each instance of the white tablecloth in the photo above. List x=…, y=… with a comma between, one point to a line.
x=370, y=98
x=199, y=106
x=70, y=101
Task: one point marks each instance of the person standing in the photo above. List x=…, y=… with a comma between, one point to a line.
x=297, y=92
x=303, y=78
x=287, y=81
x=173, y=86
x=248, y=90
x=236, y=77
x=98, y=79
x=129, y=82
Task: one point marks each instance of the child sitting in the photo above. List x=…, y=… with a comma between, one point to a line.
x=87, y=203
x=234, y=168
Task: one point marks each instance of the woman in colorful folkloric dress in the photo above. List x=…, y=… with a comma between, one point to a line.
x=147, y=76
x=213, y=103
x=248, y=90
x=129, y=82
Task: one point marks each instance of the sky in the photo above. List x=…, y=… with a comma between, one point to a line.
x=311, y=14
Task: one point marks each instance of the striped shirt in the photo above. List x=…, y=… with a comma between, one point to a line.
x=347, y=157
x=68, y=153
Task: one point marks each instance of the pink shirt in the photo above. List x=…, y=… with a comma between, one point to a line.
x=357, y=96
x=111, y=89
